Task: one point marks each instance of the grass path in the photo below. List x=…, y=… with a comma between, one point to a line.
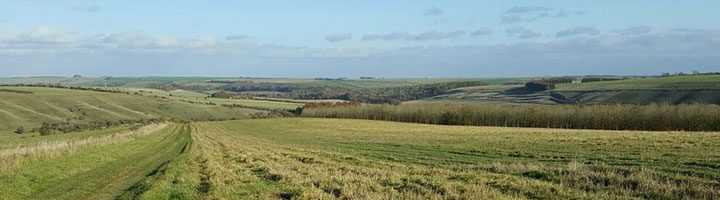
x=100, y=172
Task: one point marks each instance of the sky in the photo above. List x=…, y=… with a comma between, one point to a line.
x=352, y=38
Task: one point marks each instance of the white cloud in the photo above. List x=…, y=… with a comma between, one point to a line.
x=481, y=31
x=59, y=47
x=578, y=30
x=519, y=14
x=434, y=11
x=424, y=36
x=522, y=33
x=86, y=8
x=337, y=37
x=236, y=37
x=636, y=30
x=388, y=36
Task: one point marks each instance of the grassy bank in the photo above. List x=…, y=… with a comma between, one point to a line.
x=606, y=117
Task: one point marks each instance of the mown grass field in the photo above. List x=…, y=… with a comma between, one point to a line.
x=103, y=166
x=360, y=159
x=29, y=110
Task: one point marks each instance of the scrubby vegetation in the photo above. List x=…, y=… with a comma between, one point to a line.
x=67, y=127
x=655, y=117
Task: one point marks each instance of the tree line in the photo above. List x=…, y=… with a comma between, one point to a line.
x=654, y=117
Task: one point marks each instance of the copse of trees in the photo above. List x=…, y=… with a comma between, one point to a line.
x=654, y=117
x=539, y=86
x=599, y=79
x=548, y=83
x=557, y=80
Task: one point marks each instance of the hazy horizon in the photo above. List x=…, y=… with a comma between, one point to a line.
x=358, y=38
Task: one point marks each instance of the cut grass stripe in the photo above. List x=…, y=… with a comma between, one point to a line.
x=95, y=173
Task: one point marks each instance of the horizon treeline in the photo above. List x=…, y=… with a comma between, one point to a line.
x=653, y=117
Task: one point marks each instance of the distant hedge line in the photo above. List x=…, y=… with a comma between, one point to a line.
x=696, y=117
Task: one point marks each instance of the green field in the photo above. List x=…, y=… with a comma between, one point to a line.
x=305, y=158
x=321, y=158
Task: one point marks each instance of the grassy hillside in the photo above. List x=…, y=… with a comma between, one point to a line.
x=185, y=95
x=359, y=159
x=31, y=106
x=711, y=82
x=672, y=90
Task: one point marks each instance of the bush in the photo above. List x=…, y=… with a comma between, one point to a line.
x=20, y=130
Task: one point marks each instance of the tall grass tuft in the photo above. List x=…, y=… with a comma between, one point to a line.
x=654, y=117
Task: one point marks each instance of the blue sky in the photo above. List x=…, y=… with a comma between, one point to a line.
x=454, y=38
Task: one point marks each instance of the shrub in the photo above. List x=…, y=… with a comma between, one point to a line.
x=20, y=130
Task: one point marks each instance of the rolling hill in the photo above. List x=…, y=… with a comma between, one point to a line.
x=671, y=90
x=29, y=107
